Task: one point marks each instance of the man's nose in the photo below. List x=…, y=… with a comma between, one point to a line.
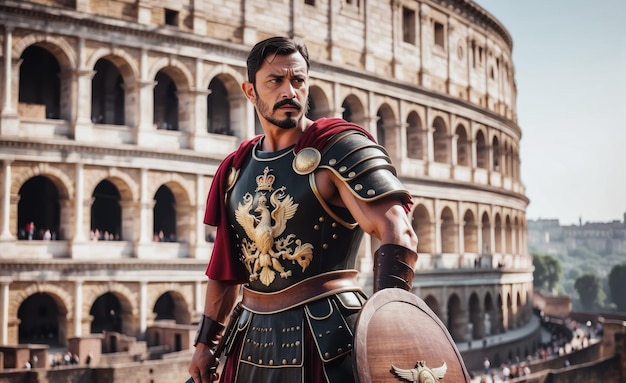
x=289, y=91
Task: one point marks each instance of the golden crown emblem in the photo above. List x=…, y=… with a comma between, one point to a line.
x=265, y=181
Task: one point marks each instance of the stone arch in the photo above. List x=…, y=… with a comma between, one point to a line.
x=463, y=148
x=386, y=128
x=423, y=226
x=433, y=304
x=128, y=302
x=441, y=140
x=125, y=63
x=482, y=150
x=62, y=299
x=415, y=140
x=486, y=234
x=57, y=46
x=354, y=110
x=448, y=231
x=61, y=296
x=476, y=323
x=183, y=191
x=319, y=105
x=508, y=235
x=470, y=232
x=181, y=225
x=181, y=305
x=60, y=179
x=228, y=118
x=498, y=243
x=231, y=78
x=489, y=314
x=497, y=154
x=178, y=72
x=125, y=183
x=456, y=318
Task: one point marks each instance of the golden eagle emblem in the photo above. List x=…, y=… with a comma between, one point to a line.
x=264, y=224
x=421, y=373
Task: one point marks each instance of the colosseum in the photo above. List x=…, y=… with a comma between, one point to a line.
x=116, y=114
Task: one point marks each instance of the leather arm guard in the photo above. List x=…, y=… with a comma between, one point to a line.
x=209, y=332
x=394, y=266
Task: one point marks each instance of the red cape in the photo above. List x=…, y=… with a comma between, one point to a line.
x=224, y=265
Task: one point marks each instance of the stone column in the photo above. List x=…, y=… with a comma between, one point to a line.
x=200, y=247
x=9, y=119
x=199, y=17
x=79, y=196
x=437, y=222
x=6, y=202
x=249, y=32
x=82, y=125
x=78, y=308
x=198, y=301
x=4, y=315
x=143, y=308
x=143, y=243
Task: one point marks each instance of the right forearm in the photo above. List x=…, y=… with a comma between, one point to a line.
x=220, y=300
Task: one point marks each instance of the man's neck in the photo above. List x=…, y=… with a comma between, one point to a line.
x=277, y=138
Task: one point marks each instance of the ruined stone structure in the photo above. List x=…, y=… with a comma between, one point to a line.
x=116, y=113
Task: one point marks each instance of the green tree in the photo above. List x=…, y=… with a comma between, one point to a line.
x=547, y=272
x=617, y=286
x=589, y=290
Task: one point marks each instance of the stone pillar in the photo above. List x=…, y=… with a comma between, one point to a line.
x=437, y=222
x=454, y=141
x=199, y=17
x=199, y=134
x=144, y=11
x=82, y=125
x=198, y=301
x=143, y=308
x=200, y=247
x=6, y=235
x=4, y=314
x=78, y=307
x=143, y=243
x=249, y=32
x=79, y=196
x=9, y=119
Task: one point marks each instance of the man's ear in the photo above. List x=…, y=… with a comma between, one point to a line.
x=248, y=91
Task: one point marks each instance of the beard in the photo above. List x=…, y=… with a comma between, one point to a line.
x=289, y=122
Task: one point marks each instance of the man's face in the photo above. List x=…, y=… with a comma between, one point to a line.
x=281, y=90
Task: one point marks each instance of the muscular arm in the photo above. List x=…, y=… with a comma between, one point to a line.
x=219, y=302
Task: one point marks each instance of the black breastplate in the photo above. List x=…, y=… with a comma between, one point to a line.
x=281, y=232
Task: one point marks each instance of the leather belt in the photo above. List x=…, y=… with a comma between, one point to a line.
x=308, y=290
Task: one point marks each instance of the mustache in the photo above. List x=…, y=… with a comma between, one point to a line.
x=288, y=101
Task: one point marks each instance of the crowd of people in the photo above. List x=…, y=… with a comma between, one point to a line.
x=565, y=337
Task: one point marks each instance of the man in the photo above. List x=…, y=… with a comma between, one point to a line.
x=290, y=208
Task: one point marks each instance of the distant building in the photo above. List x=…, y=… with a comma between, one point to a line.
x=548, y=236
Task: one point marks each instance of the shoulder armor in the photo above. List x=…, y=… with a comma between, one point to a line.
x=362, y=164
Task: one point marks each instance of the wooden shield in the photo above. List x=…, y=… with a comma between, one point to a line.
x=398, y=338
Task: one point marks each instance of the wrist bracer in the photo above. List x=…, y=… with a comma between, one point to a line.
x=394, y=267
x=209, y=332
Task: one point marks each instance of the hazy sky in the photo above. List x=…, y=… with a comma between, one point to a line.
x=570, y=70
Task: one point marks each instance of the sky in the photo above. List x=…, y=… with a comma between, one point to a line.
x=570, y=69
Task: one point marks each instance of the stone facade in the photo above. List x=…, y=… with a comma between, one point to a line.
x=135, y=103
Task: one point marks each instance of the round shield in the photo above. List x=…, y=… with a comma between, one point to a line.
x=398, y=338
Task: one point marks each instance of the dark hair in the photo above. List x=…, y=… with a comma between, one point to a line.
x=281, y=46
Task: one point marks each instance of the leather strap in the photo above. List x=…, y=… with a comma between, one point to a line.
x=394, y=266
x=320, y=286
x=209, y=332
